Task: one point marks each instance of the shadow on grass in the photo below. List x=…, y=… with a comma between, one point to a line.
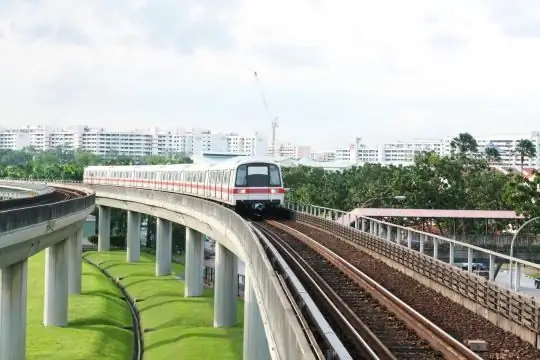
x=234, y=333
x=168, y=301
x=111, y=328
x=181, y=337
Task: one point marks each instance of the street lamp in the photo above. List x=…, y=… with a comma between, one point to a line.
x=512, y=246
x=396, y=197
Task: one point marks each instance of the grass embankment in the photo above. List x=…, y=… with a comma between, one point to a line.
x=182, y=328
x=96, y=317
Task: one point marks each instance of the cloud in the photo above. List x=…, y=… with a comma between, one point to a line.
x=517, y=18
x=331, y=69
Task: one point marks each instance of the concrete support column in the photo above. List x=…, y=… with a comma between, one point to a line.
x=193, y=284
x=55, y=311
x=13, y=292
x=104, y=231
x=133, y=239
x=255, y=343
x=409, y=238
x=75, y=262
x=492, y=266
x=469, y=259
x=364, y=225
x=398, y=236
x=388, y=233
x=163, y=247
x=422, y=243
x=225, y=288
x=452, y=255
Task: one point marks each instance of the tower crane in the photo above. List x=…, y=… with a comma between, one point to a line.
x=275, y=121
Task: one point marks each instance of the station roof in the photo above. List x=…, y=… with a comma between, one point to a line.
x=436, y=213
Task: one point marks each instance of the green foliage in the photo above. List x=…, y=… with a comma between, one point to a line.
x=461, y=181
x=59, y=164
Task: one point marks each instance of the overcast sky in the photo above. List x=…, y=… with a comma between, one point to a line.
x=331, y=69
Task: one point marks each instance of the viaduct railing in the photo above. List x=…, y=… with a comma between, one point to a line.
x=514, y=312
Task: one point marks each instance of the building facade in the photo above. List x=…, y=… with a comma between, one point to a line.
x=135, y=143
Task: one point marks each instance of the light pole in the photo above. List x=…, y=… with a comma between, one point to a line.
x=396, y=197
x=512, y=246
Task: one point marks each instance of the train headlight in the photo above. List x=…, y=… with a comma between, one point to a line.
x=274, y=191
x=242, y=191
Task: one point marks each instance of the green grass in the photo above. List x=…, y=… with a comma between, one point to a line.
x=182, y=327
x=95, y=319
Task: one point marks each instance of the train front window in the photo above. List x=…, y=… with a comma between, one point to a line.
x=275, y=178
x=258, y=175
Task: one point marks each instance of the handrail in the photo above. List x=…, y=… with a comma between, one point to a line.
x=316, y=210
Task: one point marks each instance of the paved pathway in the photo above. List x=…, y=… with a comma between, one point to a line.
x=526, y=283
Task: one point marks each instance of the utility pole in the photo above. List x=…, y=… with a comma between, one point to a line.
x=275, y=123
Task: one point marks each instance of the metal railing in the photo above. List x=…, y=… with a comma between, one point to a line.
x=439, y=246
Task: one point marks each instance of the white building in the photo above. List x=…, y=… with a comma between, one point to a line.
x=289, y=151
x=135, y=143
x=506, y=144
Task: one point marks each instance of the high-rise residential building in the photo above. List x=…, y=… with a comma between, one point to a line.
x=136, y=143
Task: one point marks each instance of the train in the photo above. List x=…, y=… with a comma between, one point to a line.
x=251, y=186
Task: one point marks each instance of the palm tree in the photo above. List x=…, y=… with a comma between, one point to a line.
x=526, y=149
x=492, y=154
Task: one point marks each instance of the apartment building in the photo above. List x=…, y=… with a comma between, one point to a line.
x=290, y=151
x=135, y=143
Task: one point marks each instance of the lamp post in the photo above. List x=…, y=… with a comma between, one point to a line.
x=396, y=197
x=512, y=247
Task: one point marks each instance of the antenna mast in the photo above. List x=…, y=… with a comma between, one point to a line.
x=275, y=121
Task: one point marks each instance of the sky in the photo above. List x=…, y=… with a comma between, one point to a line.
x=331, y=70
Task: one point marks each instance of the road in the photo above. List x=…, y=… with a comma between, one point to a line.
x=526, y=284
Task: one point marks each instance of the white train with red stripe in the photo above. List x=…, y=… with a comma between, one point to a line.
x=245, y=183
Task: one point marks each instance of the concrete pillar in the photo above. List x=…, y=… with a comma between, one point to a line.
x=255, y=343
x=398, y=236
x=388, y=233
x=163, y=247
x=55, y=311
x=13, y=292
x=492, y=266
x=193, y=284
x=104, y=231
x=409, y=239
x=364, y=224
x=435, y=248
x=133, y=239
x=75, y=262
x=422, y=243
x=225, y=288
x=469, y=259
x=452, y=256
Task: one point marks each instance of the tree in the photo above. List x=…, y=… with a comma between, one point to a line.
x=464, y=144
x=525, y=149
x=492, y=154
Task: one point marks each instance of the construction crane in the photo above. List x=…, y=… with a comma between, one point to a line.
x=275, y=121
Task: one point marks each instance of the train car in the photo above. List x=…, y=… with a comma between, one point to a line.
x=247, y=184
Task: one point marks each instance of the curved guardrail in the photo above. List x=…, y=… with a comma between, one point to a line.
x=286, y=338
x=11, y=220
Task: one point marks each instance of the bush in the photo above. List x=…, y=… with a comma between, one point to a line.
x=117, y=241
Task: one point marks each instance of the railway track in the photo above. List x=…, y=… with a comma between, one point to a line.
x=59, y=195
x=371, y=322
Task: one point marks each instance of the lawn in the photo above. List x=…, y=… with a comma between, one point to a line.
x=95, y=325
x=180, y=328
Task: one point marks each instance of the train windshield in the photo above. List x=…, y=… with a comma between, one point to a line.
x=258, y=175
